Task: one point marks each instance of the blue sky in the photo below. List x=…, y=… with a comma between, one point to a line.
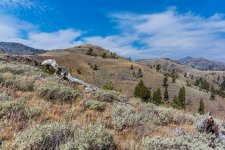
x=132, y=28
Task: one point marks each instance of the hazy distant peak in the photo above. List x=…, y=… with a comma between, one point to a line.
x=19, y=49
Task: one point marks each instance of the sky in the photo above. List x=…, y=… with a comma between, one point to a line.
x=140, y=29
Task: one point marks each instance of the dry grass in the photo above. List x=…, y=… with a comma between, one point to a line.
x=52, y=116
x=122, y=76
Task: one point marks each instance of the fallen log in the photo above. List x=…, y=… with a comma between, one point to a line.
x=66, y=75
x=208, y=125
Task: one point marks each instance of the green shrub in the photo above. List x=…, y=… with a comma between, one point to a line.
x=165, y=117
x=127, y=116
x=23, y=83
x=48, y=69
x=108, y=96
x=90, y=137
x=54, y=92
x=109, y=86
x=5, y=97
x=95, y=105
x=142, y=92
x=17, y=109
x=185, y=142
x=183, y=118
x=46, y=136
x=15, y=71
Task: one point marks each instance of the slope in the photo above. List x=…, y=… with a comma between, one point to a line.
x=119, y=72
x=40, y=111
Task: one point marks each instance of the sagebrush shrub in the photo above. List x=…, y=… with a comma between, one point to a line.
x=55, y=92
x=108, y=96
x=95, y=105
x=45, y=136
x=90, y=137
x=17, y=109
x=186, y=142
x=127, y=116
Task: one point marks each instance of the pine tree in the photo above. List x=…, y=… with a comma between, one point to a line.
x=158, y=67
x=201, y=108
x=197, y=82
x=142, y=92
x=104, y=55
x=165, y=81
x=157, y=99
x=166, y=94
x=140, y=73
x=89, y=52
x=181, y=98
x=131, y=67
x=175, y=103
x=223, y=84
x=95, y=67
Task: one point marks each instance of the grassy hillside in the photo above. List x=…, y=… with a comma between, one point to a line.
x=119, y=72
x=39, y=111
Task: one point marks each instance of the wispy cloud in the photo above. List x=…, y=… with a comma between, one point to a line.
x=14, y=30
x=165, y=34
x=18, y=3
x=175, y=34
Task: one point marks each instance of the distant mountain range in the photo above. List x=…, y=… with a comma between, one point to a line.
x=19, y=49
x=197, y=63
x=202, y=64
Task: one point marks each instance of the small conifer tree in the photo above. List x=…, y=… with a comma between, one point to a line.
x=142, y=92
x=201, y=108
x=157, y=99
x=131, y=67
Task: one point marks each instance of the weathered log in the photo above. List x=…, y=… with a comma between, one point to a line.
x=208, y=125
x=66, y=75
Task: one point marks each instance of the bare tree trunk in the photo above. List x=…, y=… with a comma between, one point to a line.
x=66, y=75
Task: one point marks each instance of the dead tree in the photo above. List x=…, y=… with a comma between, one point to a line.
x=66, y=75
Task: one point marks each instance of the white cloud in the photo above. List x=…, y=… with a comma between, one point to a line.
x=18, y=3
x=175, y=34
x=14, y=30
x=54, y=40
x=165, y=34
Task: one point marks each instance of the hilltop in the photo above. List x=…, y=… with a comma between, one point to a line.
x=19, y=49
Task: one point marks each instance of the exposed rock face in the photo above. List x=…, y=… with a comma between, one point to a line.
x=203, y=64
x=19, y=49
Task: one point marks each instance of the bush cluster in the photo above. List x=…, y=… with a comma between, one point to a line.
x=64, y=136
x=18, y=109
x=56, y=93
x=184, y=142
x=95, y=105
x=108, y=96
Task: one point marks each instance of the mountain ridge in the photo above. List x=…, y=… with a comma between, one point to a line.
x=19, y=49
x=202, y=64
